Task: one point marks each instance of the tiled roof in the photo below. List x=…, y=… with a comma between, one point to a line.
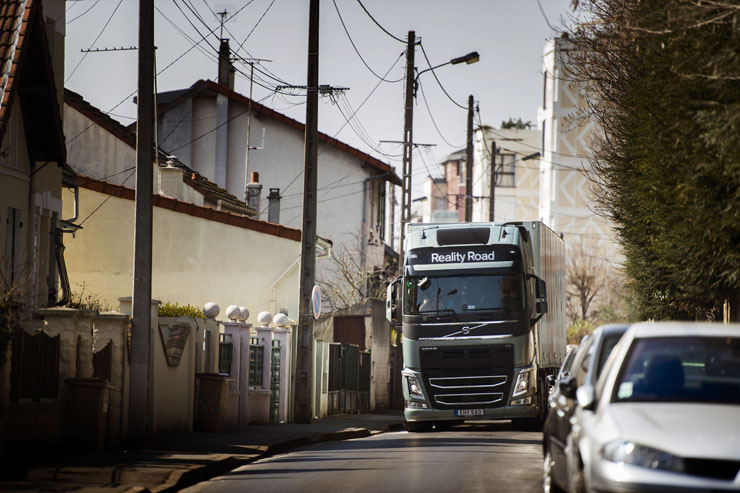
x=173, y=98
x=194, y=210
x=26, y=73
x=13, y=23
x=202, y=185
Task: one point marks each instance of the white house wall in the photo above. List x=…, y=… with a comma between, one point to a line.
x=94, y=152
x=280, y=165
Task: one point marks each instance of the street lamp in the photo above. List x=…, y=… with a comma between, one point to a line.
x=408, y=125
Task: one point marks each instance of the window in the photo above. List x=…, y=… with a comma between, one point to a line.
x=505, y=174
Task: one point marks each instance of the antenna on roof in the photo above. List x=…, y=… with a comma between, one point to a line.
x=223, y=15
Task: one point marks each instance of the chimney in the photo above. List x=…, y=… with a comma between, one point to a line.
x=273, y=206
x=254, y=190
x=225, y=68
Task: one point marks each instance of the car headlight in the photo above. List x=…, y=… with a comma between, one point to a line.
x=523, y=382
x=414, y=387
x=626, y=452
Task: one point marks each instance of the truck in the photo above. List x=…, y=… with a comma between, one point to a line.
x=481, y=310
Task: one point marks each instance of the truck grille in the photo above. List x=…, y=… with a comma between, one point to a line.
x=464, y=391
x=467, y=377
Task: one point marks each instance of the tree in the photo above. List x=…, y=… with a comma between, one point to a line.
x=586, y=278
x=662, y=80
x=517, y=124
x=351, y=281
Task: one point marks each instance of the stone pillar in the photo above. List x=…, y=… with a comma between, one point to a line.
x=114, y=327
x=264, y=334
x=283, y=335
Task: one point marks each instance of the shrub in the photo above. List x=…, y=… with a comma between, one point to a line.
x=175, y=310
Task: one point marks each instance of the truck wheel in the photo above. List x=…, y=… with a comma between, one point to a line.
x=418, y=426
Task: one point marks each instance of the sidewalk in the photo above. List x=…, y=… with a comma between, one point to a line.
x=179, y=460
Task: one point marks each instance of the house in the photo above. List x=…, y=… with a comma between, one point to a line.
x=207, y=244
x=516, y=194
x=32, y=155
x=206, y=127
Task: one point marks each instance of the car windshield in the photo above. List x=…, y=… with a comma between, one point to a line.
x=681, y=369
x=610, y=340
x=464, y=293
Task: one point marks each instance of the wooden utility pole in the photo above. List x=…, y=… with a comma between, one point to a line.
x=469, y=165
x=140, y=395
x=492, y=199
x=408, y=145
x=304, y=366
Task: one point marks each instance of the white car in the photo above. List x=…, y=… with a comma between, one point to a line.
x=664, y=415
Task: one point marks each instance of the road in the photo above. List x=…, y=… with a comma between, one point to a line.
x=476, y=457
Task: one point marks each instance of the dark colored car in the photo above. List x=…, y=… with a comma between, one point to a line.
x=584, y=369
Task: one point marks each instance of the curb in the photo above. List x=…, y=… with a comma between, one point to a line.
x=183, y=478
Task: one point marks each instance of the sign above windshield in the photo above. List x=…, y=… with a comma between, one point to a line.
x=462, y=255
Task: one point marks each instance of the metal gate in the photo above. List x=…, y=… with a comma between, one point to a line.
x=102, y=361
x=34, y=367
x=275, y=382
x=349, y=379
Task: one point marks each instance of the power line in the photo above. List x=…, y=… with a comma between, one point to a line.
x=544, y=16
x=426, y=103
x=355, y=47
x=95, y=41
x=431, y=68
x=257, y=24
x=85, y=12
x=378, y=24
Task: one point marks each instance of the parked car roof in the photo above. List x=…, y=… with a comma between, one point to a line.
x=676, y=329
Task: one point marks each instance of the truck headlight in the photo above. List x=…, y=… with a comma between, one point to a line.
x=523, y=382
x=414, y=387
x=626, y=452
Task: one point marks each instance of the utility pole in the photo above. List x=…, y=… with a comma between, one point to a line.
x=492, y=199
x=303, y=408
x=140, y=396
x=408, y=145
x=469, y=165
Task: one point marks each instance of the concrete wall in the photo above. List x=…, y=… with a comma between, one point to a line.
x=195, y=260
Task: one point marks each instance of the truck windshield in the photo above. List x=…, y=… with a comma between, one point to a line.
x=464, y=293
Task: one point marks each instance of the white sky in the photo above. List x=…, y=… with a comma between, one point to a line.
x=506, y=82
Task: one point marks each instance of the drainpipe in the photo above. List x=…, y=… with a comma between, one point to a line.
x=66, y=226
x=324, y=244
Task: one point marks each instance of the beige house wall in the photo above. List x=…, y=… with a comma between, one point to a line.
x=568, y=200
x=195, y=260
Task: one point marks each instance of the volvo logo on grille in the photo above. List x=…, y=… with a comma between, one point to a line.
x=465, y=330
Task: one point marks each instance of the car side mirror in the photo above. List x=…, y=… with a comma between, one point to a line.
x=585, y=397
x=568, y=387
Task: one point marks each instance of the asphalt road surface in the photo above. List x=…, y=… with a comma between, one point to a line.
x=471, y=457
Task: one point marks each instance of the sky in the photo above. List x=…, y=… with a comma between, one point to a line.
x=506, y=83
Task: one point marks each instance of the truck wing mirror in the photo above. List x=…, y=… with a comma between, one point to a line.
x=392, y=302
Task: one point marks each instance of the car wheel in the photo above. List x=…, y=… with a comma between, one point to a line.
x=418, y=426
x=548, y=484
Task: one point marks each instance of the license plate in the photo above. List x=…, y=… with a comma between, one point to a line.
x=469, y=412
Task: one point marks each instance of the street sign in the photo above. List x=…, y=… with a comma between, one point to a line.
x=316, y=301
